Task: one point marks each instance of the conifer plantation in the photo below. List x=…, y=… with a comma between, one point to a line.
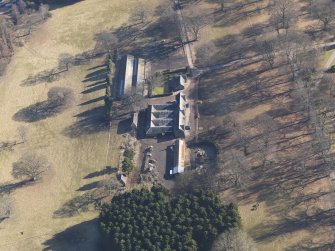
x=154, y=220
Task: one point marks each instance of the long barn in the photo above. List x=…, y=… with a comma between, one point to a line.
x=129, y=76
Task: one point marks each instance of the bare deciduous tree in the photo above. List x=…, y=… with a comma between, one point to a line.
x=206, y=53
x=282, y=14
x=234, y=240
x=65, y=61
x=15, y=14
x=6, y=43
x=141, y=14
x=327, y=85
x=193, y=26
x=276, y=21
x=134, y=102
x=194, y=23
x=324, y=10
x=309, y=6
x=109, y=185
x=240, y=133
x=23, y=134
x=296, y=46
x=238, y=169
x=303, y=98
x=221, y=3
x=5, y=207
x=7, y=146
x=267, y=49
x=44, y=11
x=31, y=166
x=268, y=132
x=129, y=104
x=22, y=6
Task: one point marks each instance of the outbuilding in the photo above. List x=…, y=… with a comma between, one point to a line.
x=179, y=157
x=129, y=76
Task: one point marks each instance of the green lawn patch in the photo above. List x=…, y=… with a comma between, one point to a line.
x=326, y=56
x=160, y=90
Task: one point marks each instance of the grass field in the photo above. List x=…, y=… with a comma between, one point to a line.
x=75, y=141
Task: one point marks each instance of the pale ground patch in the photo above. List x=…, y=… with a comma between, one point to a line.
x=326, y=57
x=70, y=30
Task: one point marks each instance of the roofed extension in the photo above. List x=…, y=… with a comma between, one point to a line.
x=178, y=83
x=182, y=117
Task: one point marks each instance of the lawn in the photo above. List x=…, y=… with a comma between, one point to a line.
x=160, y=90
x=326, y=56
x=161, y=86
x=75, y=142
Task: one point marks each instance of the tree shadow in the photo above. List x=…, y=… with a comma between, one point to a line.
x=96, y=67
x=308, y=245
x=36, y=112
x=106, y=170
x=97, y=83
x=235, y=13
x=64, y=64
x=254, y=30
x=10, y=187
x=47, y=76
x=94, y=89
x=82, y=203
x=89, y=186
x=96, y=75
x=141, y=125
x=155, y=40
x=303, y=221
x=89, y=122
x=92, y=101
x=184, y=3
x=83, y=236
x=59, y=99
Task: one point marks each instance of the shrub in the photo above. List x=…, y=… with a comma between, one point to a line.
x=129, y=154
x=127, y=165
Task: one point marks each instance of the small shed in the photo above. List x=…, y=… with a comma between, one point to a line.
x=123, y=179
x=134, y=121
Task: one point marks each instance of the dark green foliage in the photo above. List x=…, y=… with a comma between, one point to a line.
x=109, y=80
x=129, y=154
x=151, y=220
x=127, y=165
